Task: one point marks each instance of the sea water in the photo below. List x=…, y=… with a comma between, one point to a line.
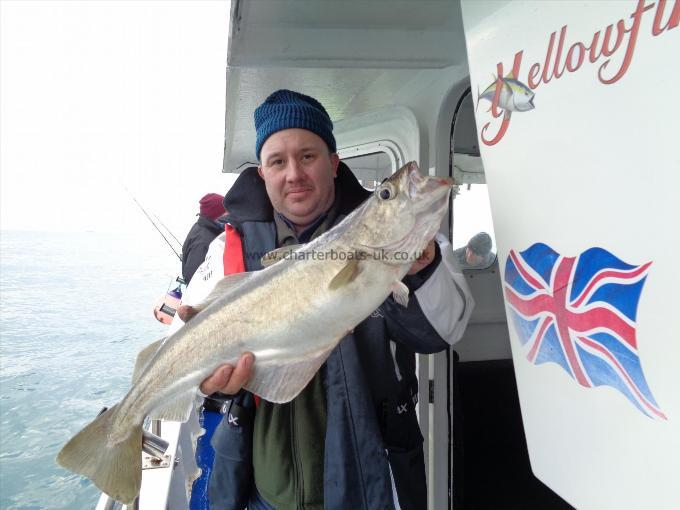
x=75, y=309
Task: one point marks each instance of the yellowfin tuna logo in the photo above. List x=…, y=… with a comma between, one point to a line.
x=508, y=94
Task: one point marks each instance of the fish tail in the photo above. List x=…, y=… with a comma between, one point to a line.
x=115, y=468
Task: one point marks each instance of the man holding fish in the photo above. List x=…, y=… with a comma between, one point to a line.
x=309, y=191
x=317, y=347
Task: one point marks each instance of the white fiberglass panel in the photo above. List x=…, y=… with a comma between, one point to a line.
x=578, y=132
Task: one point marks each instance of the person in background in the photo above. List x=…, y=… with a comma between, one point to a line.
x=202, y=234
x=477, y=253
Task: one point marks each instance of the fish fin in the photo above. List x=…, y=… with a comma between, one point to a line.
x=115, y=469
x=400, y=293
x=224, y=286
x=177, y=409
x=489, y=91
x=278, y=254
x=144, y=357
x=346, y=275
x=283, y=382
x=510, y=75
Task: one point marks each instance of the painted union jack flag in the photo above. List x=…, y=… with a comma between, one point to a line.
x=580, y=312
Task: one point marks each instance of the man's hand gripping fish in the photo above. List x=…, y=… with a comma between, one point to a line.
x=290, y=316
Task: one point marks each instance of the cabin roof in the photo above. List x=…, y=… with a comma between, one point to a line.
x=353, y=55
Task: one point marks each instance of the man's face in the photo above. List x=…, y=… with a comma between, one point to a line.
x=298, y=172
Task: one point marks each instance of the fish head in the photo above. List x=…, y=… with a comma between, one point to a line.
x=522, y=96
x=404, y=214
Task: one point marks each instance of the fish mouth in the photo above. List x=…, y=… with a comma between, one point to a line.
x=431, y=194
x=430, y=197
x=426, y=185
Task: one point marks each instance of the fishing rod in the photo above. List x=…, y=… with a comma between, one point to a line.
x=167, y=229
x=156, y=226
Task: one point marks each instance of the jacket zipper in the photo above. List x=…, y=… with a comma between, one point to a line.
x=297, y=463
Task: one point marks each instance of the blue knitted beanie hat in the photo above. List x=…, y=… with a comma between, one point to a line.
x=286, y=109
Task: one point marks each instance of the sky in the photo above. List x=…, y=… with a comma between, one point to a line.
x=97, y=97
x=103, y=96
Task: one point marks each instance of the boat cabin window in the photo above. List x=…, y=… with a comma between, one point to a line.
x=370, y=168
x=472, y=234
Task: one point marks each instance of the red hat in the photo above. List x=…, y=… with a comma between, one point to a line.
x=211, y=206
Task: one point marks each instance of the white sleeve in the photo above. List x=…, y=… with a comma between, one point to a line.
x=205, y=278
x=445, y=297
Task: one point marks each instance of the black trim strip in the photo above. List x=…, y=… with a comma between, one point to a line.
x=449, y=368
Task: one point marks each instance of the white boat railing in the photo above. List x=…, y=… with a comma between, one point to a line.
x=166, y=481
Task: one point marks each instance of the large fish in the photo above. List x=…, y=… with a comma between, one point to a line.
x=290, y=315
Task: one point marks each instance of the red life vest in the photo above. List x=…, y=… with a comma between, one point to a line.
x=233, y=260
x=233, y=252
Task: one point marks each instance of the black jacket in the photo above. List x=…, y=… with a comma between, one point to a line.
x=196, y=245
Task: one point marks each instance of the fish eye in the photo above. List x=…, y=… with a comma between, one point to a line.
x=386, y=191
